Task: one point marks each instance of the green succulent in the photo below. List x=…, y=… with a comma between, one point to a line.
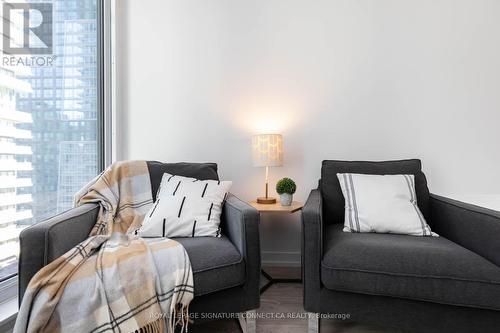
x=286, y=185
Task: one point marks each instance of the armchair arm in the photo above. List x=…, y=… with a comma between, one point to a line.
x=241, y=225
x=45, y=241
x=312, y=250
x=473, y=227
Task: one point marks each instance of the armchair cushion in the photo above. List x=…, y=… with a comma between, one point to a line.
x=333, y=199
x=202, y=171
x=421, y=268
x=216, y=263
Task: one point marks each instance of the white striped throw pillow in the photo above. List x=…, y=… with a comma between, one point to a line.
x=185, y=207
x=382, y=204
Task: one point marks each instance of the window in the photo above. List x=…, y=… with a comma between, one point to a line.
x=50, y=127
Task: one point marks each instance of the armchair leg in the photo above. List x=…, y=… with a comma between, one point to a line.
x=248, y=322
x=312, y=322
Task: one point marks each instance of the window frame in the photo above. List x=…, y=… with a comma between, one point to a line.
x=105, y=140
x=8, y=288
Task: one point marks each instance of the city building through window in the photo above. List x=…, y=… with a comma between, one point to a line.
x=49, y=126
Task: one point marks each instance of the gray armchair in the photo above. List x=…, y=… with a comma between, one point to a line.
x=226, y=270
x=449, y=283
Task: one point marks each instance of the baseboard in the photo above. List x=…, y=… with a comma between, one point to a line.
x=281, y=258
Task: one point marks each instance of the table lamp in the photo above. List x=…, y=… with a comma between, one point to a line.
x=267, y=151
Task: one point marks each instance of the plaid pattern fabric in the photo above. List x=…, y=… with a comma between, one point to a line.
x=113, y=281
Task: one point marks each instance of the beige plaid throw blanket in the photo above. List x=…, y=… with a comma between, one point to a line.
x=113, y=281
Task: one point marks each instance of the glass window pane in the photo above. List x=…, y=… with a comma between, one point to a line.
x=49, y=128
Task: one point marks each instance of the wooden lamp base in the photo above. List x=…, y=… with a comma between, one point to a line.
x=266, y=201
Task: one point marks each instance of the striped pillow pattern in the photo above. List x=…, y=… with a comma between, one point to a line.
x=382, y=204
x=185, y=207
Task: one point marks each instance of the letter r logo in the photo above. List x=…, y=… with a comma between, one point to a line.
x=27, y=28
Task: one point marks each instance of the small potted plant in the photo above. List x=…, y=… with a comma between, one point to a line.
x=286, y=188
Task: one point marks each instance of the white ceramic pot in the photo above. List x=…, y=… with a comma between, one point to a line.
x=286, y=199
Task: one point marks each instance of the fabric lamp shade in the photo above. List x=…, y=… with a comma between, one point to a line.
x=267, y=150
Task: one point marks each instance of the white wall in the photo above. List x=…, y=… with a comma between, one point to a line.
x=365, y=79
